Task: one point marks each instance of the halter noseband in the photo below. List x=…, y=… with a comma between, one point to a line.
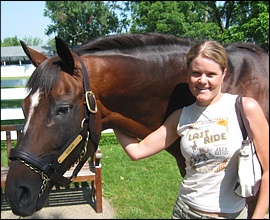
x=49, y=171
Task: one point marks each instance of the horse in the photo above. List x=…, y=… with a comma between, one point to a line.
x=128, y=82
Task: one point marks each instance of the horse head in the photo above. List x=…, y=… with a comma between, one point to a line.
x=59, y=129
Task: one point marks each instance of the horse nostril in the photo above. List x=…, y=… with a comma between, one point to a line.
x=24, y=195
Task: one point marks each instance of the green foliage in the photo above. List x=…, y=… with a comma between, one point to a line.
x=14, y=103
x=12, y=122
x=10, y=41
x=79, y=21
x=248, y=22
x=14, y=41
x=32, y=41
x=159, y=16
x=226, y=21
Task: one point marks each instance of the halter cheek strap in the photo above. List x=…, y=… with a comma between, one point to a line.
x=91, y=104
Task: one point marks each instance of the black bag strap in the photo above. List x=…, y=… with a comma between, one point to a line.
x=242, y=119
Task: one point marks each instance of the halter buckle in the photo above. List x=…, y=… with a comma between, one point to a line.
x=88, y=95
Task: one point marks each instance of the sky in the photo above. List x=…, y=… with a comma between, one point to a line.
x=24, y=19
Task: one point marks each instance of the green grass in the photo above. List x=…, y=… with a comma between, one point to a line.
x=14, y=78
x=16, y=103
x=4, y=159
x=145, y=189
x=12, y=122
x=11, y=103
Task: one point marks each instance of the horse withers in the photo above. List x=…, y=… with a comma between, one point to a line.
x=129, y=82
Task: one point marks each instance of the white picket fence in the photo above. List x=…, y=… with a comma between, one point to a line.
x=8, y=75
x=12, y=94
x=11, y=76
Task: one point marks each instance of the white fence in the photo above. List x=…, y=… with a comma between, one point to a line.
x=10, y=76
x=13, y=82
x=17, y=70
x=12, y=94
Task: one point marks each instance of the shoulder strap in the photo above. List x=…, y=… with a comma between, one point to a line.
x=241, y=116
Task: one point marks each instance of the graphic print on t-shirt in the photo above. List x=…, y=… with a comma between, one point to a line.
x=207, y=143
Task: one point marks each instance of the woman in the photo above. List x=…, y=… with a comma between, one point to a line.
x=210, y=139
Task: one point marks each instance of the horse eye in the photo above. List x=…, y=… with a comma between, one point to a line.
x=63, y=110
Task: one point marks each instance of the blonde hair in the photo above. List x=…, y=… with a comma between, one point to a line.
x=208, y=49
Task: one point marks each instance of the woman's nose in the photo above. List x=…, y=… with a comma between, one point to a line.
x=203, y=78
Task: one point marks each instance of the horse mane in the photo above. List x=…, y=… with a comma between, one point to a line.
x=132, y=41
x=45, y=82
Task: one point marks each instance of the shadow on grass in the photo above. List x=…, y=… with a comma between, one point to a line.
x=63, y=197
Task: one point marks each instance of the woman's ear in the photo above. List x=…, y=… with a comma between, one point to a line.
x=224, y=73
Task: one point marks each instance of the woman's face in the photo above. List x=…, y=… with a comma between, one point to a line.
x=205, y=80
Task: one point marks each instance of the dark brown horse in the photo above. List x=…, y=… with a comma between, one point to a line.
x=129, y=82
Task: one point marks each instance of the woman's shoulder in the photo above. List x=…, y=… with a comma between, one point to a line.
x=252, y=109
x=250, y=104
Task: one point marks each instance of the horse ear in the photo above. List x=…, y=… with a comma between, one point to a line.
x=35, y=57
x=65, y=54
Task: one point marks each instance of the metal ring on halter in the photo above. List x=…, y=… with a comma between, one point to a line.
x=83, y=122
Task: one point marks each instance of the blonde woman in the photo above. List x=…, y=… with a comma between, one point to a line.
x=210, y=138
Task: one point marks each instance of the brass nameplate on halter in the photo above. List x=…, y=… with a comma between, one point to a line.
x=69, y=149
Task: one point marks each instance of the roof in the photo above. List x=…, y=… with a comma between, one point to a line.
x=16, y=53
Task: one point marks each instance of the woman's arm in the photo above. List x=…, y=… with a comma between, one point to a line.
x=260, y=131
x=155, y=142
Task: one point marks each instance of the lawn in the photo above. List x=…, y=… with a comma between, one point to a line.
x=145, y=189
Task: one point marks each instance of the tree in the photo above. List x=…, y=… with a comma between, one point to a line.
x=14, y=41
x=160, y=16
x=32, y=41
x=10, y=41
x=226, y=21
x=246, y=21
x=78, y=21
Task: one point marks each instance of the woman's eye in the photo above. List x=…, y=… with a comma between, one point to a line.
x=63, y=110
x=195, y=74
x=212, y=74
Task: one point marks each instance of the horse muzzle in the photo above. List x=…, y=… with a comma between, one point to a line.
x=22, y=194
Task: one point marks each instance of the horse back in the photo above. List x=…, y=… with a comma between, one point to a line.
x=248, y=73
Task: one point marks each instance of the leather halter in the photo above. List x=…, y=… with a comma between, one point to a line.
x=49, y=171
